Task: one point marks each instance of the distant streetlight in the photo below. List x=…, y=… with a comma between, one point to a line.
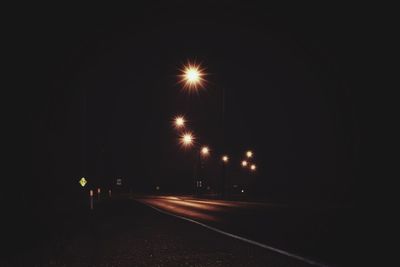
x=249, y=154
x=253, y=167
x=179, y=122
x=187, y=139
x=244, y=163
x=192, y=77
x=205, y=151
x=225, y=158
x=91, y=199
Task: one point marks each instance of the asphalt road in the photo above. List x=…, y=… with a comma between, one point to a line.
x=124, y=232
x=321, y=234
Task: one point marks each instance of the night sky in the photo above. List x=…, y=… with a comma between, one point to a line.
x=289, y=78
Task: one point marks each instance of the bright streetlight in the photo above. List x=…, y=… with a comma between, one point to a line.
x=253, y=167
x=179, y=122
x=244, y=163
x=192, y=76
x=249, y=154
x=205, y=151
x=225, y=158
x=187, y=139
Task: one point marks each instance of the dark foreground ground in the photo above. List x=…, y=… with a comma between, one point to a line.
x=322, y=233
x=123, y=232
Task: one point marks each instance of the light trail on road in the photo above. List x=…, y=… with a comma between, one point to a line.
x=216, y=213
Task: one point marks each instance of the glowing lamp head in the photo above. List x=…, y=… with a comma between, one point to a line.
x=180, y=122
x=249, y=154
x=187, y=139
x=225, y=158
x=192, y=76
x=244, y=163
x=253, y=167
x=205, y=151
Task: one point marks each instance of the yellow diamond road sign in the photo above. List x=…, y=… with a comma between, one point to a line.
x=83, y=181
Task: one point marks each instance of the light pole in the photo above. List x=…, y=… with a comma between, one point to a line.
x=192, y=77
x=187, y=140
x=198, y=175
x=223, y=171
x=202, y=154
x=225, y=161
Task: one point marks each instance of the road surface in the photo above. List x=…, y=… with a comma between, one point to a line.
x=123, y=232
x=322, y=235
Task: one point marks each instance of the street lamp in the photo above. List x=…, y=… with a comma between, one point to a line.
x=249, y=154
x=244, y=163
x=253, y=167
x=179, y=122
x=192, y=77
x=224, y=182
x=205, y=151
x=187, y=139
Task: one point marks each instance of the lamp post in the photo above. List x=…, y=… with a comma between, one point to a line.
x=187, y=140
x=202, y=153
x=192, y=77
x=225, y=161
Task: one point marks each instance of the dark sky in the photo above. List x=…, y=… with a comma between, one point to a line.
x=289, y=76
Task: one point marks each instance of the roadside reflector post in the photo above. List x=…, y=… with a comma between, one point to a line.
x=91, y=199
x=109, y=192
x=98, y=194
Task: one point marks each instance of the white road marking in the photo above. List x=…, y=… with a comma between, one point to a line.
x=280, y=251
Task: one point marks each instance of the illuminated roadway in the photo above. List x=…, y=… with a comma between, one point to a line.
x=121, y=232
x=311, y=233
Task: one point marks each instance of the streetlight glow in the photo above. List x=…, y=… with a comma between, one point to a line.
x=253, y=167
x=187, y=139
x=249, y=154
x=192, y=76
x=205, y=151
x=179, y=122
x=244, y=163
x=225, y=158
